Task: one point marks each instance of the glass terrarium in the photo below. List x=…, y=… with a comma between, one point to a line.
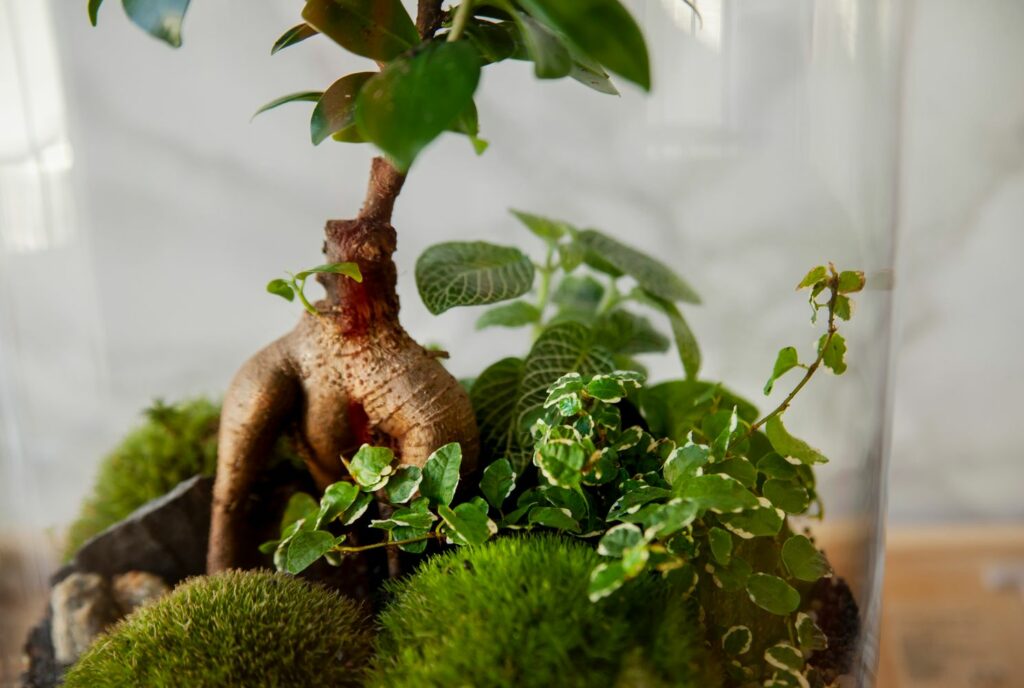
x=606, y=443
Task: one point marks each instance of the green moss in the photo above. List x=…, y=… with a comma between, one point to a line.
x=233, y=629
x=173, y=444
x=515, y=613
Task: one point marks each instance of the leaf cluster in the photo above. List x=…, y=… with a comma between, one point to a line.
x=426, y=83
x=295, y=284
x=590, y=294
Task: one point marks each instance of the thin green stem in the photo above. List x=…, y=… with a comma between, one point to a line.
x=833, y=285
x=462, y=15
x=341, y=549
x=612, y=297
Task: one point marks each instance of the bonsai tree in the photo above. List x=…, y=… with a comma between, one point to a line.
x=349, y=373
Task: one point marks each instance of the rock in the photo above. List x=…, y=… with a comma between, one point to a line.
x=166, y=537
x=81, y=606
x=135, y=588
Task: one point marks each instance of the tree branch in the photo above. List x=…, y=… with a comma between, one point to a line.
x=428, y=17
x=384, y=187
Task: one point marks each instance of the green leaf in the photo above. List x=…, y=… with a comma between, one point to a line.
x=843, y=307
x=763, y=521
x=492, y=40
x=497, y=482
x=606, y=578
x=553, y=517
x=731, y=577
x=787, y=495
x=405, y=533
x=371, y=466
x=94, y=9
x=774, y=466
x=618, y=539
x=803, y=560
x=784, y=362
x=851, y=281
x=467, y=523
x=294, y=35
x=494, y=396
x=471, y=274
x=416, y=98
x=551, y=59
x=651, y=274
x=739, y=468
x=673, y=409
x=403, y=484
x=737, y=640
x=686, y=343
x=305, y=548
x=789, y=446
x=668, y=519
x=718, y=493
x=635, y=495
x=300, y=97
x=772, y=594
x=578, y=295
x=441, y=474
x=623, y=332
x=338, y=498
x=607, y=388
x=603, y=29
x=596, y=79
x=515, y=314
x=561, y=462
x=833, y=351
x=547, y=229
x=723, y=432
x=417, y=518
x=810, y=637
x=815, y=275
x=468, y=123
x=684, y=462
x=377, y=29
x=281, y=288
x=350, y=270
x=159, y=18
x=334, y=114
x=300, y=506
x=784, y=657
x=721, y=545
x=358, y=508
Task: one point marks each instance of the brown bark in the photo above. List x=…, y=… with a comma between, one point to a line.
x=349, y=375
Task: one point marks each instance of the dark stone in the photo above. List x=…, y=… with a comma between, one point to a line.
x=43, y=670
x=166, y=537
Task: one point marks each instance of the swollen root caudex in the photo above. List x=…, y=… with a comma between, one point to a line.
x=350, y=374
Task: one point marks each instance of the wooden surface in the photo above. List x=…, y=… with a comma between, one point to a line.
x=952, y=617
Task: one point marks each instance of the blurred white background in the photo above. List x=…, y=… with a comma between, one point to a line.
x=169, y=211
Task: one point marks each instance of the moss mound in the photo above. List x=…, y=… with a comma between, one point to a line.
x=515, y=613
x=233, y=629
x=175, y=443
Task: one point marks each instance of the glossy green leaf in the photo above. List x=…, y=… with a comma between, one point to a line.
x=416, y=98
x=471, y=274
x=403, y=483
x=300, y=97
x=603, y=29
x=371, y=466
x=814, y=276
x=785, y=657
x=651, y=274
x=553, y=517
x=737, y=640
x=718, y=493
x=668, y=519
x=495, y=396
x=305, y=548
x=356, y=511
x=673, y=409
x=774, y=466
x=772, y=594
x=684, y=462
x=441, y=474
x=492, y=40
x=578, y=294
x=334, y=114
x=281, y=288
x=762, y=521
x=294, y=35
x=850, y=281
x=809, y=635
x=803, y=560
x=784, y=362
x=606, y=578
x=720, y=542
x=94, y=9
x=161, y=19
x=550, y=56
x=618, y=539
x=544, y=228
x=686, y=342
x=833, y=350
x=788, y=446
x=300, y=506
x=350, y=270
x=515, y=314
x=843, y=307
x=561, y=462
x=377, y=29
x=338, y=498
x=467, y=524
x=627, y=333
x=497, y=482
x=786, y=495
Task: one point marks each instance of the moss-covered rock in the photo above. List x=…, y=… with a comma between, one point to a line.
x=515, y=613
x=234, y=629
x=174, y=443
